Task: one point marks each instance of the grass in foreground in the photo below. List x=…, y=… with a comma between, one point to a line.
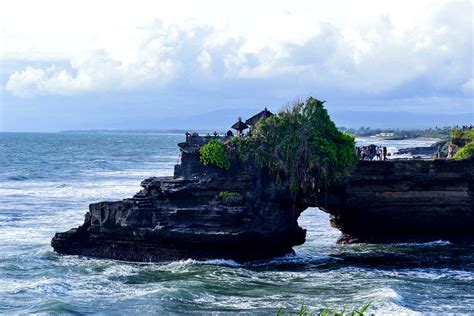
x=306, y=311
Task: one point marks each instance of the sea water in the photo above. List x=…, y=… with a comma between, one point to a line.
x=48, y=180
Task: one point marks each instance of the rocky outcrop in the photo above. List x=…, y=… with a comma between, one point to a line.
x=201, y=212
x=405, y=201
x=206, y=212
x=427, y=151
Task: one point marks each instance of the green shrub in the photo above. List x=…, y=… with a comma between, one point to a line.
x=462, y=138
x=230, y=197
x=465, y=152
x=214, y=153
x=301, y=146
x=307, y=311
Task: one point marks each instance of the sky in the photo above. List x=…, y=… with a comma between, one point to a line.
x=133, y=64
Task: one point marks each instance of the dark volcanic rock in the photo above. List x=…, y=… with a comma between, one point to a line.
x=423, y=151
x=184, y=217
x=405, y=201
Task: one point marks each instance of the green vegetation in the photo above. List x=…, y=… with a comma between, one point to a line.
x=214, y=153
x=465, y=152
x=230, y=197
x=465, y=140
x=462, y=137
x=301, y=146
x=305, y=311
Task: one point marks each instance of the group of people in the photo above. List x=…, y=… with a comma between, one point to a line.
x=371, y=152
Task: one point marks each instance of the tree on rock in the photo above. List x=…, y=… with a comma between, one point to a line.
x=301, y=147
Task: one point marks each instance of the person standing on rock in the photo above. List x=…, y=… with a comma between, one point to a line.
x=384, y=153
x=450, y=151
x=377, y=153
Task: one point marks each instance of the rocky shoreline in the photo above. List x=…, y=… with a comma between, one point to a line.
x=427, y=151
x=204, y=212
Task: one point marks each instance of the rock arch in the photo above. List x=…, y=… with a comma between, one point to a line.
x=206, y=212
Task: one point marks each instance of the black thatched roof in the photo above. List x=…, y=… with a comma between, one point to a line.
x=262, y=115
x=240, y=126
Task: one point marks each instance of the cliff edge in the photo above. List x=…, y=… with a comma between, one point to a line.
x=405, y=201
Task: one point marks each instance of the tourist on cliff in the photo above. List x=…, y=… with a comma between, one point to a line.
x=450, y=151
x=372, y=152
x=367, y=153
x=384, y=153
x=377, y=153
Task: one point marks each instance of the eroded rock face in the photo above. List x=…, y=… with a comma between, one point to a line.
x=185, y=216
x=405, y=201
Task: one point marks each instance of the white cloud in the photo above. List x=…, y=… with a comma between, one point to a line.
x=204, y=60
x=367, y=48
x=97, y=72
x=22, y=83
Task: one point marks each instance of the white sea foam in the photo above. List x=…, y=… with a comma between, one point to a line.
x=139, y=174
x=432, y=274
x=393, y=309
x=44, y=192
x=301, y=257
x=394, y=145
x=435, y=243
x=119, y=270
x=298, y=258
x=110, y=185
x=386, y=301
x=179, y=266
x=402, y=143
x=14, y=286
x=387, y=293
x=220, y=262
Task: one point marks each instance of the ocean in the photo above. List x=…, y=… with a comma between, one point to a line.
x=48, y=180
